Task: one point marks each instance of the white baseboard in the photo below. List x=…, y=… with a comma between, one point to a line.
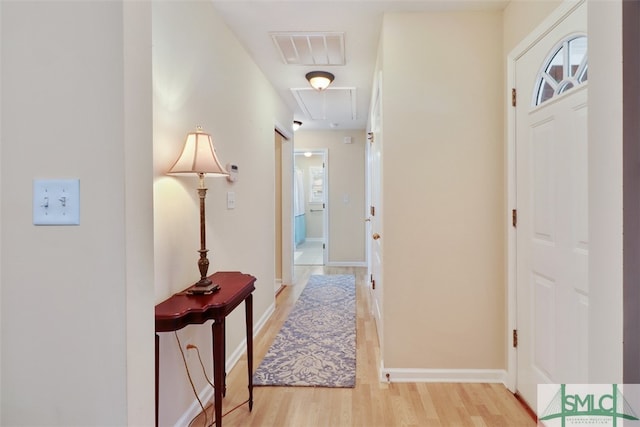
x=206, y=394
x=397, y=375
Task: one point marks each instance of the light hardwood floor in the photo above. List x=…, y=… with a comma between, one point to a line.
x=371, y=403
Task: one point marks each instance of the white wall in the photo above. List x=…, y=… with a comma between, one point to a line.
x=521, y=17
x=138, y=172
x=75, y=104
x=605, y=191
x=443, y=240
x=203, y=76
x=346, y=188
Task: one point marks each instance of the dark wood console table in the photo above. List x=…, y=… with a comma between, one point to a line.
x=183, y=309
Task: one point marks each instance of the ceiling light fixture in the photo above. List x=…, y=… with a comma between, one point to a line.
x=296, y=125
x=320, y=80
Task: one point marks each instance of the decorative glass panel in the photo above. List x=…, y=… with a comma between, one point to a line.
x=565, y=69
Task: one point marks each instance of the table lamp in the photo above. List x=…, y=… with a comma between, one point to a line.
x=199, y=156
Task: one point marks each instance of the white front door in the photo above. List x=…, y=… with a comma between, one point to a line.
x=552, y=224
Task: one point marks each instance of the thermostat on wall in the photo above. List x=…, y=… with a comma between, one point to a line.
x=233, y=172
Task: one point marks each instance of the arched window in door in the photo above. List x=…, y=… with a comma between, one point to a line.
x=565, y=68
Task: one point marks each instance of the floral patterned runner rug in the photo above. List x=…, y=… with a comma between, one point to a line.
x=317, y=344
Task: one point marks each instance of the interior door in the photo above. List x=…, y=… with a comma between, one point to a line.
x=552, y=224
x=374, y=218
x=278, y=209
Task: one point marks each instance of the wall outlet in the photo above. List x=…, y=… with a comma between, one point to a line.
x=189, y=349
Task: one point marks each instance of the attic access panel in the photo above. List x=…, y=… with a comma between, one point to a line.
x=334, y=103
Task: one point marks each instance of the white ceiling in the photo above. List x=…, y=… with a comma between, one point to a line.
x=257, y=24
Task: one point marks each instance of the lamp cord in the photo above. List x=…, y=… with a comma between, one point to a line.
x=204, y=371
x=193, y=387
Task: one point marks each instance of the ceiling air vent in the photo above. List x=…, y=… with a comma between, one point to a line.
x=310, y=48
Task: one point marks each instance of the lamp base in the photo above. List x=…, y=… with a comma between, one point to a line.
x=203, y=289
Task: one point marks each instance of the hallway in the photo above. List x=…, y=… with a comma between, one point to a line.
x=371, y=403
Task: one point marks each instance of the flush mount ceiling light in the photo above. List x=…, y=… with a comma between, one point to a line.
x=320, y=80
x=296, y=125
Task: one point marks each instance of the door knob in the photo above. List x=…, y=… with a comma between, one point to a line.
x=375, y=236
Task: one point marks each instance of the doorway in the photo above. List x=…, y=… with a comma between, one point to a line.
x=550, y=242
x=310, y=207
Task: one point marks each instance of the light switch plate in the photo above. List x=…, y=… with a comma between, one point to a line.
x=56, y=201
x=231, y=200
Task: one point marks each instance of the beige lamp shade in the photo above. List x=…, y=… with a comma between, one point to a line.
x=198, y=156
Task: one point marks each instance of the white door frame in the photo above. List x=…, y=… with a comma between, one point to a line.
x=287, y=206
x=374, y=127
x=563, y=10
x=367, y=204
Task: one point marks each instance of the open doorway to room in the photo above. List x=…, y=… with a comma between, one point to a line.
x=310, y=207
